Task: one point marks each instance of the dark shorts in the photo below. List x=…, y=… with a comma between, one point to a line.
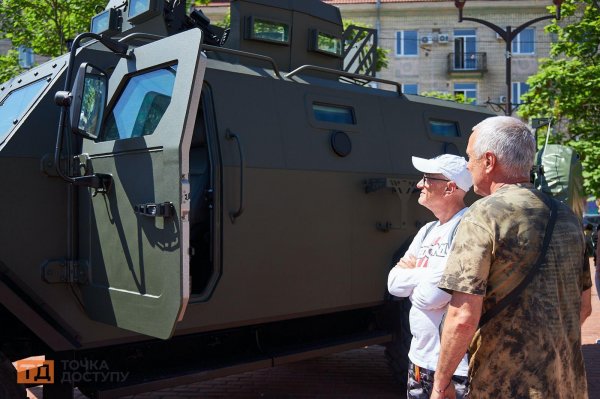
x=420, y=383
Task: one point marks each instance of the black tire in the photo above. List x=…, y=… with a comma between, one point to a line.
x=9, y=389
x=396, y=352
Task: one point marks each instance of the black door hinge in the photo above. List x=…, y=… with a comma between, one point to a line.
x=65, y=271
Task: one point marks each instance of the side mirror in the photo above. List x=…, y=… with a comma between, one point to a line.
x=88, y=101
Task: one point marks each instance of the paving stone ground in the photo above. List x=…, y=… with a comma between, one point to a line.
x=355, y=374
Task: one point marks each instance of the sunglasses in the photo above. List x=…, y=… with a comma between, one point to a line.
x=426, y=178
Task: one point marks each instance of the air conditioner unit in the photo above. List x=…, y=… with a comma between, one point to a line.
x=502, y=99
x=443, y=38
x=426, y=40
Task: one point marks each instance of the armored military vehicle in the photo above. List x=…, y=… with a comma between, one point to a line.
x=202, y=201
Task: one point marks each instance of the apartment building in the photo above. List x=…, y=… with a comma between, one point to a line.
x=429, y=50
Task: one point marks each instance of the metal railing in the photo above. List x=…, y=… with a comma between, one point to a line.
x=467, y=62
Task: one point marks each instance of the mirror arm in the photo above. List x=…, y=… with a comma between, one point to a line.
x=63, y=98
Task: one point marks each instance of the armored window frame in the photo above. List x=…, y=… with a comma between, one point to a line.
x=154, y=8
x=327, y=109
x=104, y=135
x=331, y=101
x=314, y=43
x=251, y=34
x=432, y=128
x=38, y=86
x=109, y=17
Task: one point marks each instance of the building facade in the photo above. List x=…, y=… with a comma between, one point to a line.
x=429, y=50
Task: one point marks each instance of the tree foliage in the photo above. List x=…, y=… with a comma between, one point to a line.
x=195, y=3
x=46, y=25
x=9, y=65
x=459, y=98
x=567, y=87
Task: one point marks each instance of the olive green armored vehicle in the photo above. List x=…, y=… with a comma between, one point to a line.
x=180, y=202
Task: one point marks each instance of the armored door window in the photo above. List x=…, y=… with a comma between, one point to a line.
x=141, y=105
x=16, y=104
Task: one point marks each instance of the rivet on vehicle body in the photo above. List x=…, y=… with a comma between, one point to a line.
x=19, y=81
x=54, y=65
x=15, y=121
x=36, y=74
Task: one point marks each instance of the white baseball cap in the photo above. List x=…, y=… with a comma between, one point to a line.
x=452, y=167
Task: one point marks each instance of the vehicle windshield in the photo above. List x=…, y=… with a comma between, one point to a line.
x=16, y=103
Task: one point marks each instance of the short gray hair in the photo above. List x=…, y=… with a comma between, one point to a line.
x=510, y=140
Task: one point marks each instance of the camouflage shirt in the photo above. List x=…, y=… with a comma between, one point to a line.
x=532, y=349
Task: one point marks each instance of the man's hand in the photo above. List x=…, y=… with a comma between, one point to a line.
x=449, y=393
x=409, y=262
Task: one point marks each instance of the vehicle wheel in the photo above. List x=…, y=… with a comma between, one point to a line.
x=396, y=351
x=8, y=381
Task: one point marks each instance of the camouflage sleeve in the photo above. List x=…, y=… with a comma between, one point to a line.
x=469, y=261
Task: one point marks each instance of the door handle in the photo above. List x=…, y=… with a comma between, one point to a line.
x=229, y=135
x=164, y=210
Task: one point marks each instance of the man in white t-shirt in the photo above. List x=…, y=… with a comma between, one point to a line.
x=444, y=185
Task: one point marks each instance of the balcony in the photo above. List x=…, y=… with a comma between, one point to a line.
x=467, y=64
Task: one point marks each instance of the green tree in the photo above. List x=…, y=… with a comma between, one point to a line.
x=459, y=98
x=46, y=25
x=9, y=65
x=567, y=87
x=195, y=3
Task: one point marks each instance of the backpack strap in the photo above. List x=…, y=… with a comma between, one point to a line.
x=452, y=234
x=428, y=230
x=514, y=294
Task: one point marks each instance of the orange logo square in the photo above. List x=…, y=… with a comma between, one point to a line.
x=35, y=371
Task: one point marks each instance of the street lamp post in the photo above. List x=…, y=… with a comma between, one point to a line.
x=507, y=35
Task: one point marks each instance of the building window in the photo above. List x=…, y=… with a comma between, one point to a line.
x=524, y=42
x=518, y=89
x=407, y=43
x=465, y=49
x=469, y=90
x=410, y=88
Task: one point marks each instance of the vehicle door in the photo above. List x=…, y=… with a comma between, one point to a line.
x=134, y=239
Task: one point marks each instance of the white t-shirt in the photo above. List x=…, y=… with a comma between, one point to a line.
x=429, y=303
